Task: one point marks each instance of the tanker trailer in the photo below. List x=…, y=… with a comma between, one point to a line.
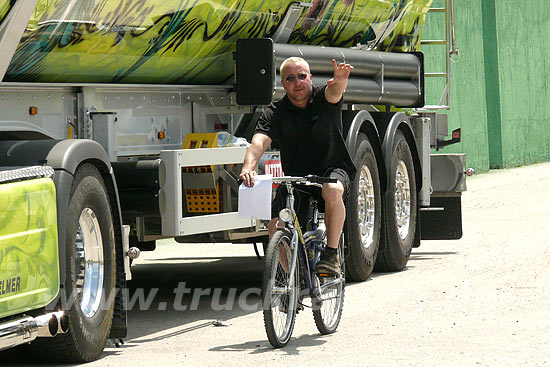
x=191, y=42
x=130, y=116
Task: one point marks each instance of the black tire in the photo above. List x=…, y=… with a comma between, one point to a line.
x=364, y=213
x=88, y=327
x=400, y=210
x=327, y=313
x=279, y=324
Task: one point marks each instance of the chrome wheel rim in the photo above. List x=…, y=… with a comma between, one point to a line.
x=402, y=200
x=366, y=207
x=89, y=262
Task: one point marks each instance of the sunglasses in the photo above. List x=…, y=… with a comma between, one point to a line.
x=292, y=78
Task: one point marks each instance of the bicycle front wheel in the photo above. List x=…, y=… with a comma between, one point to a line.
x=328, y=306
x=279, y=289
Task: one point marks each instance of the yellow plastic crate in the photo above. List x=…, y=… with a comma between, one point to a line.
x=205, y=200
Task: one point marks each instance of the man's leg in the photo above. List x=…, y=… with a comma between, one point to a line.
x=279, y=202
x=273, y=225
x=335, y=212
x=271, y=228
x=335, y=215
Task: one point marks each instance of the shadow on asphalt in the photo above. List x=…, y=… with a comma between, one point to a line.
x=186, y=294
x=174, y=296
x=258, y=346
x=429, y=255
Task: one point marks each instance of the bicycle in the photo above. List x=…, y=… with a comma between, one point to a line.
x=289, y=276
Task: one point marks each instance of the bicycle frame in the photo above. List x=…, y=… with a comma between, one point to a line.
x=300, y=242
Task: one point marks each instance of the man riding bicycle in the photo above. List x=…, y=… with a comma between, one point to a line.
x=307, y=124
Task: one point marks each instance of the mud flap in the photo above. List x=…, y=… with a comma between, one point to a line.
x=443, y=220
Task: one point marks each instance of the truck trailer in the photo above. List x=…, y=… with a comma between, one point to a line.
x=122, y=123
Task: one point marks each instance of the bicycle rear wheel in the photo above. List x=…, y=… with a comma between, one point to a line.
x=328, y=306
x=279, y=290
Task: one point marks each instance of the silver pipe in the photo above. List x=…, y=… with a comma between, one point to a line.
x=377, y=78
x=365, y=63
x=16, y=332
x=371, y=91
x=26, y=329
x=45, y=325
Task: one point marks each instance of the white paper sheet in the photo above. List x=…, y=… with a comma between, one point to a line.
x=255, y=202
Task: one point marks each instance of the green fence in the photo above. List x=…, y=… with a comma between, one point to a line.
x=500, y=80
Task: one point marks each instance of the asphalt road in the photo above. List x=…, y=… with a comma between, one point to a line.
x=482, y=300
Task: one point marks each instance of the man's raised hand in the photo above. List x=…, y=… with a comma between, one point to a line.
x=336, y=85
x=341, y=72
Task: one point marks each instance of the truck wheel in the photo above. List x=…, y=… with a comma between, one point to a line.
x=90, y=271
x=400, y=208
x=363, y=213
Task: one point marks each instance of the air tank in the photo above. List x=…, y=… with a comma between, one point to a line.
x=191, y=41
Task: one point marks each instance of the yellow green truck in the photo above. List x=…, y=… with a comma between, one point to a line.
x=125, y=122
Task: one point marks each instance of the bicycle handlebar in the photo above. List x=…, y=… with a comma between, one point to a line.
x=304, y=180
x=309, y=179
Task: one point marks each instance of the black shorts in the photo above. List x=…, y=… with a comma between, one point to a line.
x=303, y=193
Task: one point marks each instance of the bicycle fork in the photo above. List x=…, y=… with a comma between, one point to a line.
x=293, y=262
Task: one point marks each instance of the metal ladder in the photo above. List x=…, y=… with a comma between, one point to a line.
x=450, y=42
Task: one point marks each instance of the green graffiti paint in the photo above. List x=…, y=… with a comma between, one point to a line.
x=5, y=7
x=192, y=41
x=28, y=246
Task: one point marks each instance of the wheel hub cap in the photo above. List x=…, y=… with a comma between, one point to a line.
x=89, y=262
x=366, y=206
x=402, y=200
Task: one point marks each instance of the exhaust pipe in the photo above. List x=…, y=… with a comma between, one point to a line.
x=63, y=318
x=45, y=325
x=26, y=329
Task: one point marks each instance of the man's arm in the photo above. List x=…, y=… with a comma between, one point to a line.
x=336, y=86
x=260, y=143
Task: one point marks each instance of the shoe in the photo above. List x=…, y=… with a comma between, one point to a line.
x=328, y=263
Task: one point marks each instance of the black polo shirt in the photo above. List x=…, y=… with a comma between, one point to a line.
x=310, y=139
